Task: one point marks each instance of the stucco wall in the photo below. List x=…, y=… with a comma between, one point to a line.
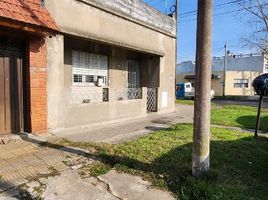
x=87, y=22
x=84, y=20
x=137, y=11
x=230, y=76
x=63, y=113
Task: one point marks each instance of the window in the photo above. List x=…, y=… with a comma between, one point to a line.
x=78, y=78
x=134, y=74
x=241, y=83
x=89, y=69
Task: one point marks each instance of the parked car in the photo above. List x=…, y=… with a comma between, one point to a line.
x=187, y=91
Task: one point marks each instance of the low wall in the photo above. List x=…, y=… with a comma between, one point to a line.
x=73, y=115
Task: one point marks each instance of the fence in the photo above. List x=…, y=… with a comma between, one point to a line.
x=80, y=95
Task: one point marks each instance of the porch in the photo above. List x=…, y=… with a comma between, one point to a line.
x=97, y=82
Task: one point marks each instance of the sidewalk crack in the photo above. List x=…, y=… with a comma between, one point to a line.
x=108, y=188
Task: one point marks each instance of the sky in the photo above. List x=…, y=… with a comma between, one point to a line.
x=229, y=25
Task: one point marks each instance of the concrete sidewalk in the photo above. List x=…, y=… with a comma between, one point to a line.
x=34, y=171
x=127, y=130
x=111, y=186
x=30, y=170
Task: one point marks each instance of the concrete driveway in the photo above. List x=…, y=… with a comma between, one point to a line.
x=127, y=130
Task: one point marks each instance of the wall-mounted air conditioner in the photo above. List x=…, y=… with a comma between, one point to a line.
x=100, y=81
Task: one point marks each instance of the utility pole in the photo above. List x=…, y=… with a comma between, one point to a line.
x=224, y=69
x=201, y=139
x=177, y=25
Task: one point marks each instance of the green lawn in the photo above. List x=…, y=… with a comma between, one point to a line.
x=235, y=115
x=239, y=163
x=185, y=102
x=239, y=116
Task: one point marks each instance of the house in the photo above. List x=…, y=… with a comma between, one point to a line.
x=241, y=70
x=90, y=62
x=24, y=25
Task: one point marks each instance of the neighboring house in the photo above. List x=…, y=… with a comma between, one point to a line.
x=23, y=96
x=104, y=61
x=241, y=70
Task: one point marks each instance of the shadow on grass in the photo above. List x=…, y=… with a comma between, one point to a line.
x=238, y=170
x=249, y=122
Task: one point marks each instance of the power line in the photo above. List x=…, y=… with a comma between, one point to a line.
x=223, y=13
x=216, y=6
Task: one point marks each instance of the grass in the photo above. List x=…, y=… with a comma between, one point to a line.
x=235, y=115
x=236, y=98
x=233, y=98
x=185, y=102
x=238, y=163
x=239, y=116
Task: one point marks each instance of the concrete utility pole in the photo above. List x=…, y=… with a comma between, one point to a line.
x=224, y=69
x=201, y=138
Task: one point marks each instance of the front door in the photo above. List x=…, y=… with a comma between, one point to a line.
x=11, y=86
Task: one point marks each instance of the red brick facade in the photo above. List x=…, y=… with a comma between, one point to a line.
x=37, y=85
x=29, y=19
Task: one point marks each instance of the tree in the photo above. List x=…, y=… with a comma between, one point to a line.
x=257, y=18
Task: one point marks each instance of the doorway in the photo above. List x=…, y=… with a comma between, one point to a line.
x=11, y=86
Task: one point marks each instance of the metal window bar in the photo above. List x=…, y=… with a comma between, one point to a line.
x=127, y=94
x=152, y=99
x=83, y=95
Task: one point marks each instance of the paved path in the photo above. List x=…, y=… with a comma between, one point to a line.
x=111, y=186
x=26, y=161
x=34, y=171
x=126, y=130
x=20, y=160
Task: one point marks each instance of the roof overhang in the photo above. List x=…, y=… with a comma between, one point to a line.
x=31, y=28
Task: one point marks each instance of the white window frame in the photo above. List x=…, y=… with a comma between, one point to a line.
x=241, y=83
x=86, y=64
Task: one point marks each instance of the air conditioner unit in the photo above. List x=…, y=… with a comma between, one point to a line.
x=217, y=76
x=100, y=81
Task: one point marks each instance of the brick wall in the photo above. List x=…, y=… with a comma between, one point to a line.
x=37, y=76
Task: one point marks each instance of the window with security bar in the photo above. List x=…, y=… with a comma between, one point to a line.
x=134, y=79
x=241, y=83
x=89, y=69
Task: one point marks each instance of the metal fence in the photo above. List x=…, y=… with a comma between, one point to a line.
x=126, y=94
x=80, y=95
x=152, y=99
